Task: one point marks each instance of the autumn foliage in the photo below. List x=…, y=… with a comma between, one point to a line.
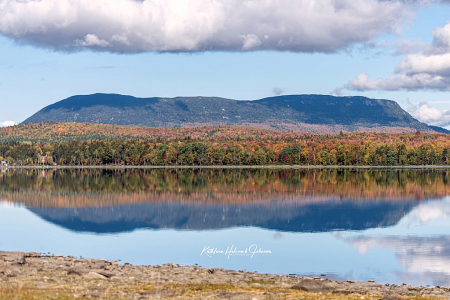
x=95, y=144
x=107, y=187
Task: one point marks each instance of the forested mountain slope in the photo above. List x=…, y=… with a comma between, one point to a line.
x=304, y=113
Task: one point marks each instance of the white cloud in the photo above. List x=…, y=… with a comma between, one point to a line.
x=414, y=64
x=427, y=70
x=430, y=115
x=7, y=123
x=201, y=25
x=413, y=82
x=251, y=41
x=92, y=40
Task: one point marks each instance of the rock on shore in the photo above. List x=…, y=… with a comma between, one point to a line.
x=26, y=275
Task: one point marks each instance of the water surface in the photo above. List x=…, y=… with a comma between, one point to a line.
x=387, y=225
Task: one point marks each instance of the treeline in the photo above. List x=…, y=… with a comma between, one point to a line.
x=343, y=149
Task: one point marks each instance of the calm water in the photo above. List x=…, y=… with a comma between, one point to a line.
x=389, y=225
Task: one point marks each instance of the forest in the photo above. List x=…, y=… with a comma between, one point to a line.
x=94, y=144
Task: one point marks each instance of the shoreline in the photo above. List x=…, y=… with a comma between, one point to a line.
x=279, y=167
x=27, y=275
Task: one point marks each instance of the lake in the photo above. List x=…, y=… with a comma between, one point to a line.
x=392, y=226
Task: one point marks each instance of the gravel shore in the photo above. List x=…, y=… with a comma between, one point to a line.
x=36, y=276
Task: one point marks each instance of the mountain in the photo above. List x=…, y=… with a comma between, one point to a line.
x=307, y=113
x=439, y=129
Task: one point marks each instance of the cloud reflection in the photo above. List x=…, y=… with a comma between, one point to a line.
x=429, y=211
x=7, y=204
x=423, y=258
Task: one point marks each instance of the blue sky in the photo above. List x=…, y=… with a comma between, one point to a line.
x=239, y=49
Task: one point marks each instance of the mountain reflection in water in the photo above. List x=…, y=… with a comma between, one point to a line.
x=387, y=225
x=275, y=215
x=108, y=201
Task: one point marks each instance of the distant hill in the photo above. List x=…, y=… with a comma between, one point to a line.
x=306, y=113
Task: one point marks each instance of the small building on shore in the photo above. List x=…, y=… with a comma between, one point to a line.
x=3, y=163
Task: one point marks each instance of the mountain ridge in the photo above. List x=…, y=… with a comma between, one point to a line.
x=307, y=113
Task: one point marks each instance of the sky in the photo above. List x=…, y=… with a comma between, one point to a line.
x=238, y=49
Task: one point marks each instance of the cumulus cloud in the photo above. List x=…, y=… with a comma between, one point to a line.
x=7, y=123
x=430, y=115
x=428, y=69
x=408, y=82
x=128, y=26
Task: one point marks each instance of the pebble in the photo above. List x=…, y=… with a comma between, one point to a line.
x=92, y=277
x=40, y=285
